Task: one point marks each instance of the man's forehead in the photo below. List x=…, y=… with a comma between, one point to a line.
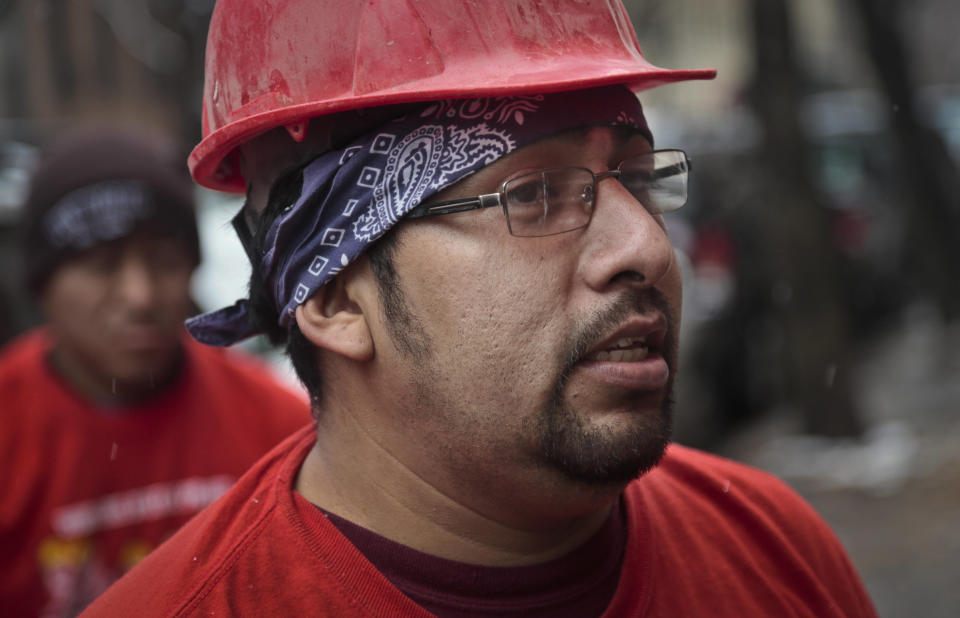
x=571, y=147
x=581, y=142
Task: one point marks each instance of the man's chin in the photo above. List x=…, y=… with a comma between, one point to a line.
x=615, y=453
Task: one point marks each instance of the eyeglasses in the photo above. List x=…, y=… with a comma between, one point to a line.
x=561, y=199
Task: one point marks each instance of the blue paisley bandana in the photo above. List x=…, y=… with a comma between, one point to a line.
x=351, y=197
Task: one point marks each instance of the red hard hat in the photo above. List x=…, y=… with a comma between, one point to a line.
x=273, y=63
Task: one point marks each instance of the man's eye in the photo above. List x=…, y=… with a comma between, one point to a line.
x=526, y=191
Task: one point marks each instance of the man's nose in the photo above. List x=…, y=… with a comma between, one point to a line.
x=626, y=245
x=135, y=283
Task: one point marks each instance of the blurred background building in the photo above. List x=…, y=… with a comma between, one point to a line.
x=821, y=244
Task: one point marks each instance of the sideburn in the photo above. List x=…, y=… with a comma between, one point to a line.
x=404, y=328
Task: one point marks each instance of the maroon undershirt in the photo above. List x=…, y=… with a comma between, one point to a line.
x=579, y=584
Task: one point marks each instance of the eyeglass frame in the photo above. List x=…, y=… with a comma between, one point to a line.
x=489, y=200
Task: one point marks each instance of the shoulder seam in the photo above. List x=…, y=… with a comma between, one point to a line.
x=209, y=583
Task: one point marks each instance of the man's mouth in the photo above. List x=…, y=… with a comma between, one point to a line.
x=623, y=350
x=635, y=340
x=631, y=356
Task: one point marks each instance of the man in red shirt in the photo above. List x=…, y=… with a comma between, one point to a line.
x=117, y=428
x=454, y=218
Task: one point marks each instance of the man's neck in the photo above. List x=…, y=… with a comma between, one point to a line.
x=350, y=474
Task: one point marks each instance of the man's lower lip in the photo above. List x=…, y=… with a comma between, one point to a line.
x=649, y=374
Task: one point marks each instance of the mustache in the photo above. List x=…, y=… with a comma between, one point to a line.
x=632, y=302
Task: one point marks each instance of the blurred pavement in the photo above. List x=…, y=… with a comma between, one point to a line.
x=893, y=497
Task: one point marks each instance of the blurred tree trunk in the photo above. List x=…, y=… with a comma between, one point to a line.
x=796, y=255
x=932, y=182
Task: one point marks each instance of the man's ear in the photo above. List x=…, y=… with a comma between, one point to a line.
x=333, y=320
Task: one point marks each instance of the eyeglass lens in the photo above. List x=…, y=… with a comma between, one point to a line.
x=549, y=201
x=561, y=199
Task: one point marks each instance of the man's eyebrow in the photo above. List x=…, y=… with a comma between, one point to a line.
x=623, y=134
x=630, y=134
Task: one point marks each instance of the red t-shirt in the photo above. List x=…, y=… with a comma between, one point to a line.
x=87, y=492
x=580, y=583
x=705, y=537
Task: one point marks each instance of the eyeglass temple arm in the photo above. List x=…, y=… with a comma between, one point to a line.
x=673, y=170
x=663, y=172
x=445, y=208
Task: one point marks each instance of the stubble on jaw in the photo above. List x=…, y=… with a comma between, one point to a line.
x=594, y=456
x=604, y=455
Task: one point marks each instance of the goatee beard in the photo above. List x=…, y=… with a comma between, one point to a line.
x=605, y=455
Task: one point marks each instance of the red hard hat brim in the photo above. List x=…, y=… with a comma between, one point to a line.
x=213, y=166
